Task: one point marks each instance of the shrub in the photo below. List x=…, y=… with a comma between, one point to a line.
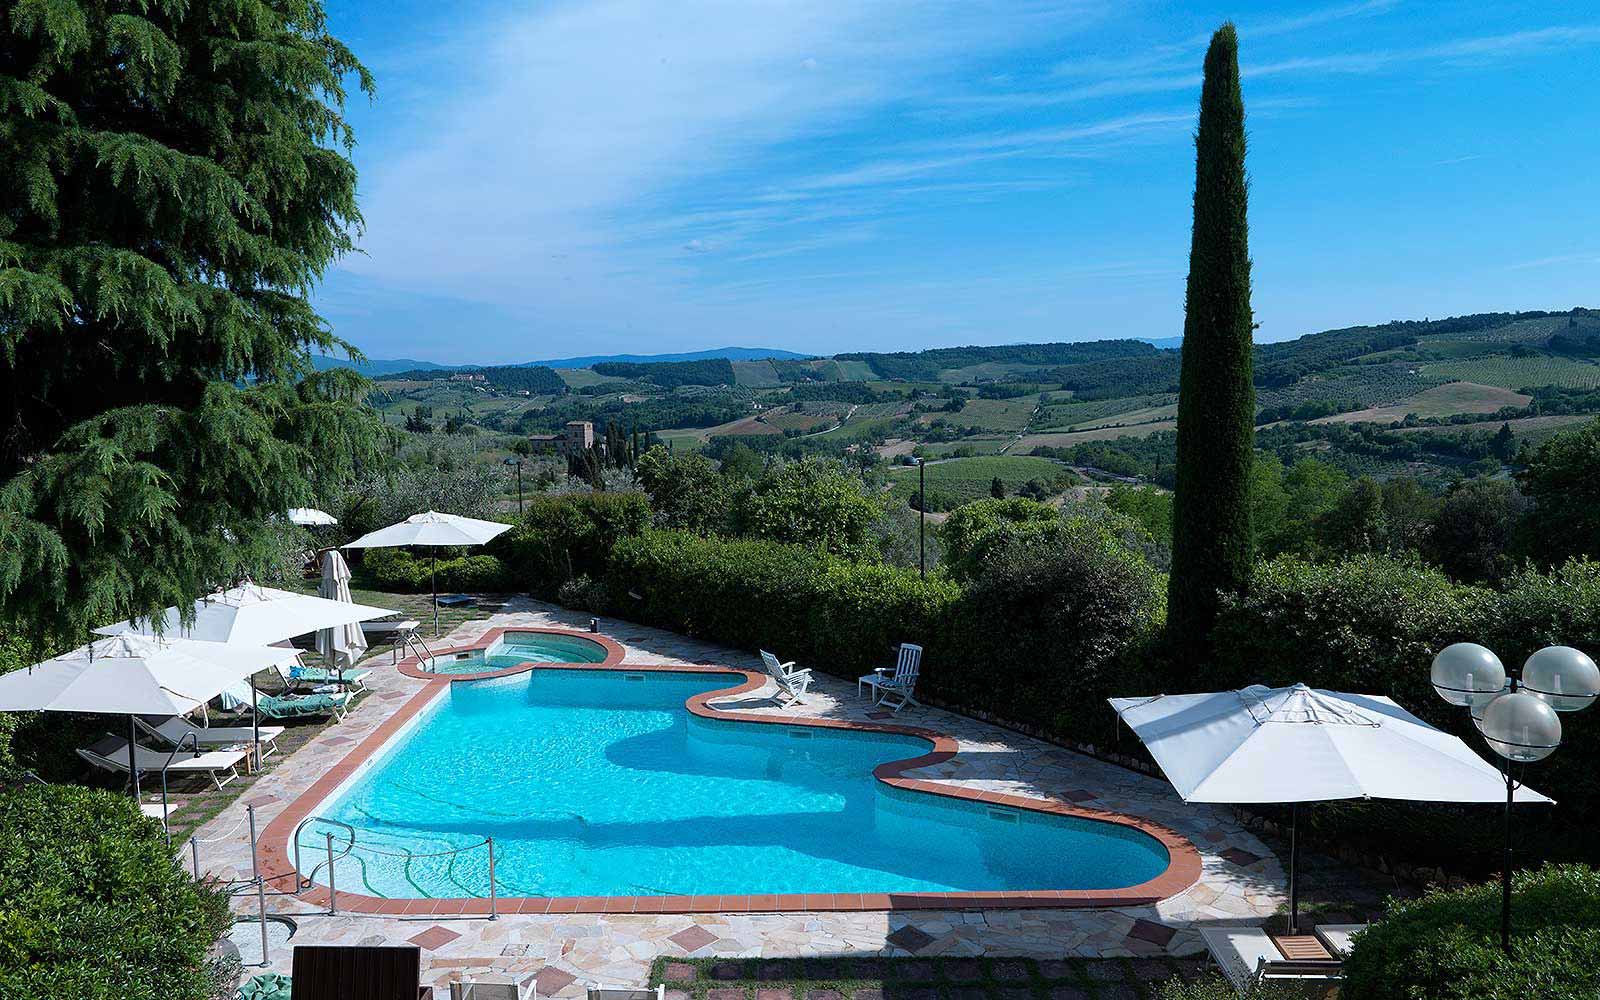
x=93, y=906
x=401, y=572
x=1054, y=622
x=837, y=616
x=1214, y=987
x=1446, y=945
x=563, y=537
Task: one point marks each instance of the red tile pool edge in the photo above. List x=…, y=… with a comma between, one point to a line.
x=1183, y=868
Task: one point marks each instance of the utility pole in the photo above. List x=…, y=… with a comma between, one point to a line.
x=922, y=517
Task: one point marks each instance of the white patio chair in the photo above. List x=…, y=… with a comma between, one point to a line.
x=791, y=682
x=111, y=754
x=895, y=687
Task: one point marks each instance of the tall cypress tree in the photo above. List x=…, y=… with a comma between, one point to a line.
x=1211, y=543
x=174, y=177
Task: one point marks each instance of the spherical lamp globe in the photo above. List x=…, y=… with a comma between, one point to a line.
x=1480, y=704
x=1565, y=677
x=1521, y=727
x=1466, y=670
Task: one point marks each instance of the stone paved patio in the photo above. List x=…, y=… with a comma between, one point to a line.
x=567, y=951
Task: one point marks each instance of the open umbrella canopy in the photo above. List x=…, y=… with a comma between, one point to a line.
x=135, y=675
x=431, y=528
x=311, y=517
x=252, y=615
x=1298, y=744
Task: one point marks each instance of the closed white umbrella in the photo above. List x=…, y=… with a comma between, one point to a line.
x=436, y=530
x=310, y=517
x=1298, y=744
x=340, y=645
x=135, y=675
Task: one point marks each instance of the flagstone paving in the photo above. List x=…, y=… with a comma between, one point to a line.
x=566, y=952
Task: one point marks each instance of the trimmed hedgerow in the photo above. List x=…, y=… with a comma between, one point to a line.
x=92, y=905
x=838, y=616
x=1446, y=945
x=398, y=571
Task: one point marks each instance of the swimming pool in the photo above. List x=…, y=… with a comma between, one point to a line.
x=517, y=647
x=599, y=783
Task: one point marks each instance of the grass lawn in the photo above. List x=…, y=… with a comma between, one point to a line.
x=873, y=978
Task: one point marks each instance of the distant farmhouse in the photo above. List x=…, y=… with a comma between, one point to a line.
x=576, y=437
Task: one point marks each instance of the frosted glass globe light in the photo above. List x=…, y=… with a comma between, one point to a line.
x=1565, y=677
x=1480, y=704
x=1464, y=671
x=1521, y=727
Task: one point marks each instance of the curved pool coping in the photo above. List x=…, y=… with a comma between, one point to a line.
x=1183, y=867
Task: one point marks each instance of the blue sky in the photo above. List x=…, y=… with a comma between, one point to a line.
x=563, y=178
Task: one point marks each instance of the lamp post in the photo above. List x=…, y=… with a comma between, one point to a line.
x=1517, y=717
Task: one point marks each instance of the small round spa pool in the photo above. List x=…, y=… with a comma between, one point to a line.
x=515, y=648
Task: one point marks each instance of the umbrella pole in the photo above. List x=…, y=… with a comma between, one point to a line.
x=133, y=768
x=1294, y=857
x=433, y=579
x=255, y=724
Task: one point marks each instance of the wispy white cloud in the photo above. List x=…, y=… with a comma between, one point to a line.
x=1583, y=257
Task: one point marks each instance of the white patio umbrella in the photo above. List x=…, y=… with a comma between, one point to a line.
x=311, y=517
x=340, y=645
x=1297, y=744
x=252, y=615
x=135, y=675
x=435, y=530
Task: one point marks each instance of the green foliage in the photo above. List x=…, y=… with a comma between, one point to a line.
x=560, y=538
x=811, y=503
x=670, y=374
x=175, y=180
x=1358, y=521
x=972, y=530
x=926, y=366
x=837, y=616
x=1563, y=480
x=1050, y=625
x=686, y=490
x=92, y=904
x=1214, y=987
x=400, y=572
x=1472, y=534
x=1211, y=537
x=1446, y=945
x=1150, y=507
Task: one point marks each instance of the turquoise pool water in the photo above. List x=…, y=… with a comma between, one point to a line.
x=514, y=648
x=598, y=783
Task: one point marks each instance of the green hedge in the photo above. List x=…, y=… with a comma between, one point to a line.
x=400, y=572
x=92, y=905
x=1446, y=945
x=561, y=538
x=838, y=616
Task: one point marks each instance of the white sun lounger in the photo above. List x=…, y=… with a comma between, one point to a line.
x=173, y=730
x=111, y=754
x=791, y=682
x=894, y=688
x=1247, y=956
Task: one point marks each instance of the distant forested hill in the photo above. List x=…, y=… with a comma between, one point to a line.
x=925, y=366
x=671, y=374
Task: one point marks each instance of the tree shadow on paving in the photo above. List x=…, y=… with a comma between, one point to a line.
x=874, y=977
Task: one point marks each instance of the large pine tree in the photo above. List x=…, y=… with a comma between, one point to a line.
x=1211, y=543
x=174, y=177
